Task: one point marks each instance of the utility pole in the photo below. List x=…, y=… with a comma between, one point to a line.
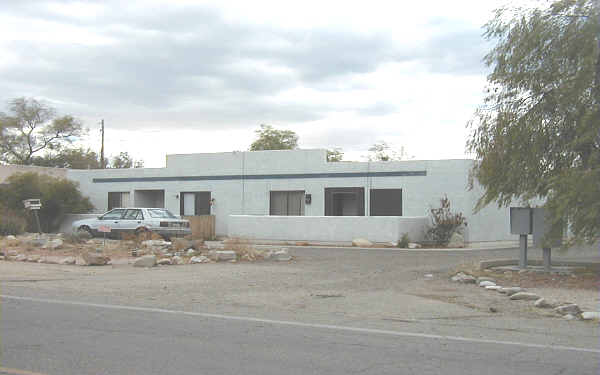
x=102, y=148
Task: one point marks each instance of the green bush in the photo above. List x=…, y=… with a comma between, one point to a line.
x=11, y=223
x=59, y=196
x=403, y=243
x=444, y=223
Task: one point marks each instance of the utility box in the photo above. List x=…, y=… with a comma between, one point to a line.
x=521, y=220
x=541, y=228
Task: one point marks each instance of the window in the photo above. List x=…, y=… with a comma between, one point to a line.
x=287, y=203
x=194, y=203
x=345, y=201
x=386, y=202
x=113, y=215
x=118, y=199
x=157, y=213
x=133, y=215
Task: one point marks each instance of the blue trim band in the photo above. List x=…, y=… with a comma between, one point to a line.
x=260, y=176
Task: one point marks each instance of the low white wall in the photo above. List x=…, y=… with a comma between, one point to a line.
x=68, y=219
x=326, y=228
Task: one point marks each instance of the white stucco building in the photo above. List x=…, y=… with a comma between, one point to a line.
x=298, y=195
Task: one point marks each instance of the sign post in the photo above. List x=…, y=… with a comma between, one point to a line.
x=104, y=229
x=521, y=223
x=34, y=205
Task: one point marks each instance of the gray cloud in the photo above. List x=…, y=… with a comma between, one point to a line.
x=192, y=65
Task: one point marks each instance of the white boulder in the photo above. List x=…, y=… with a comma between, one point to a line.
x=145, y=261
x=361, y=242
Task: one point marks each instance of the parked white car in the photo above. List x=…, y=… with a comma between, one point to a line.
x=135, y=220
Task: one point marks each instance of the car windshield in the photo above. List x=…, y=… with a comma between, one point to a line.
x=161, y=214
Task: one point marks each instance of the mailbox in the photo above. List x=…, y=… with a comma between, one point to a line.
x=521, y=220
x=32, y=204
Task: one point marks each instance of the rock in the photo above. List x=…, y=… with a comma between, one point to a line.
x=48, y=260
x=570, y=308
x=12, y=253
x=95, y=259
x=361, y=242
x=413, y=245
x=67, y=260
x=569, y=317
x=199, y=259
x=37, y=242
x=281, y=256
x=485, y=283
x=493, y=287
x=53, y=244
x=181, y=244
x=456, y=241
x=524, y=296
x=509, y=291
x=542, y=303
x=145, y=261
x=21, y=258
x=485, y=278
x=190, y=252
x=590, y=315
x=33, y=258
x=176, y=260
x=462, y=277
x=164, y=262
x=221, y=255
x=10, y=237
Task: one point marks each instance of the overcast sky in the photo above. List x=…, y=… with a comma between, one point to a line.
x=189, y=76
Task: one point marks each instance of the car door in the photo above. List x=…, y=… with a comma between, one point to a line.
x=132, y=219
x=112, y=219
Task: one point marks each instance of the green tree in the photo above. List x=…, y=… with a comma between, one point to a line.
x=270, y=138
x=537, y=133
x=124, y=160
x=73, y=158
x=59, y=196
x=335, y=154
x=32, y=127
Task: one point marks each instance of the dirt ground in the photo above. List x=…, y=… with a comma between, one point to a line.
x=355, y=284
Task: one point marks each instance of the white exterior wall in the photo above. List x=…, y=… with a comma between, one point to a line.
x=326, y=228
x=251, y=196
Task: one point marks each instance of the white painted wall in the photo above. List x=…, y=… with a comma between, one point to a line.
x=326, y=228
x=251, y=197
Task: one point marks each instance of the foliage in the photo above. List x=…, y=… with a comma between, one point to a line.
x=124, y=160
x=335, y=154
x=444, y=223
x=537, y=134
x=32, y=127
x=270, y=138
x=73, y=158
x=59, y=196
x=382, y=151
x=11, y=222
x=404, y=241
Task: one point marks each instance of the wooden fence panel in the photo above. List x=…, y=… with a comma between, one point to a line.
x=202, y=226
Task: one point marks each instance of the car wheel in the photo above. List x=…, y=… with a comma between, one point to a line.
x=85, y=229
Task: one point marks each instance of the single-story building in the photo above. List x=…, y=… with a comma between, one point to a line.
x=298, y=195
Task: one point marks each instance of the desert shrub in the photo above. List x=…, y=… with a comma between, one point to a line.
x=403, y=243
x=59, y=196
x=77, y=237
x=444, y=223
x=11, y=222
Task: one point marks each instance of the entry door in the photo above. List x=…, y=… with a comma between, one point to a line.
x=345, y=201
x=189, y=204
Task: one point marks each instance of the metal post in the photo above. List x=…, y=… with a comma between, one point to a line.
x=523, y=251
x=37, y=220
x=547, y=259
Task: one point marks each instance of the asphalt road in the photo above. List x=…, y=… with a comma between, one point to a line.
x=61, y=338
